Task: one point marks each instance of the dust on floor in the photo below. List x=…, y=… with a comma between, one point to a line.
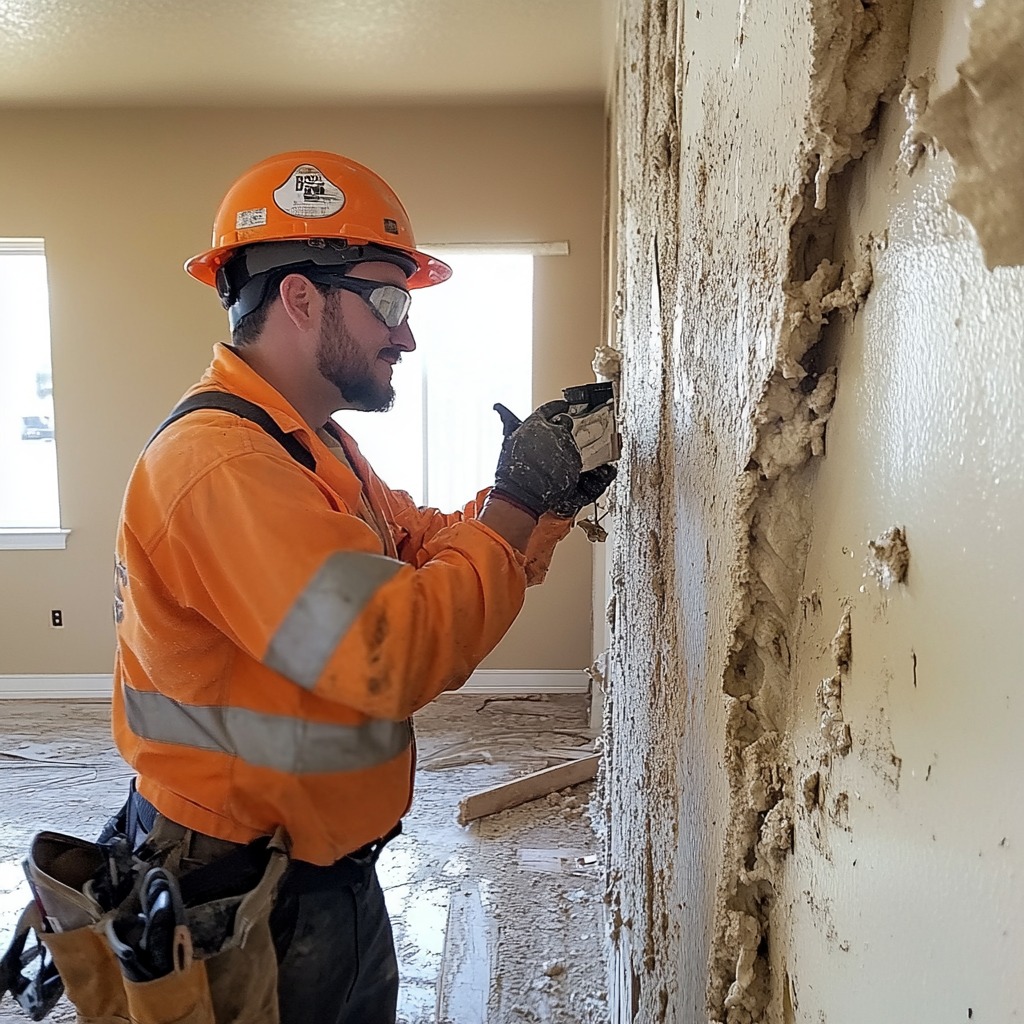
x=538, y=924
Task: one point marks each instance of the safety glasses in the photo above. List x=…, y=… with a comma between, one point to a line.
x=388, y=302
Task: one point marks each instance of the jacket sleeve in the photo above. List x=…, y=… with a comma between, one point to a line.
x=255, y=546
x=539, y=551
x=417, y=526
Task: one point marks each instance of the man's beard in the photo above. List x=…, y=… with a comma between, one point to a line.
x=341, y=362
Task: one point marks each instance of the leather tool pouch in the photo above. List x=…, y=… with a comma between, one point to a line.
x=228, y=898
x=232, y=964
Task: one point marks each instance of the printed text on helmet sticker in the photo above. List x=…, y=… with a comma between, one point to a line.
x=250, y=218
x=308, y=193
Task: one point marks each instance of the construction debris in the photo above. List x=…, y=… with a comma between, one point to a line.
x=468, y=960
x=558, y=862
x=529, y=787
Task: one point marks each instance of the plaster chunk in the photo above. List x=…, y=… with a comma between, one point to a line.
x=810, y=788
x=804, y=316
x=842, y=643
x=915, y=143
x=809, y=304
x=741, y=992
x=762, y=773
x=866, y=46
x=776, y=839
x=978, y=122
x=889, y=557
x=793, y=424
x=849, y=295
x=607, y=363
x=834, y=729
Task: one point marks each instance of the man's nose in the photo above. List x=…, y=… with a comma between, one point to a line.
x=401, y=337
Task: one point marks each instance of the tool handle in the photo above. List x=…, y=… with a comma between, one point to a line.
x=182, y=949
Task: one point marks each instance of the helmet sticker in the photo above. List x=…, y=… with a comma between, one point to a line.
x=250, y=218
x=390, y=226
x=308, y=193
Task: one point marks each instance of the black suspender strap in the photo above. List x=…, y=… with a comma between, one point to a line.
x=248, y=411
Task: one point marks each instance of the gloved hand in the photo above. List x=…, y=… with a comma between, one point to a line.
x=539, y=465
x=590, y=486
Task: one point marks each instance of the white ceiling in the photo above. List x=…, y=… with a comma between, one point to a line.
x=270, y=52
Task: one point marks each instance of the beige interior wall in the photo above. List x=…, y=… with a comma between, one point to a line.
x=813, y=785
x=903, y=895
x=122, y=197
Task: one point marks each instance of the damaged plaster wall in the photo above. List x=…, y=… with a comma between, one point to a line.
x=766, y=861
x=732, y=120
x=903, y=891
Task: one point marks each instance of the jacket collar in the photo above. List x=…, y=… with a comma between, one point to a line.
x=229, y=372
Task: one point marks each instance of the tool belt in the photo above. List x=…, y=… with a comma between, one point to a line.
x=148, y=936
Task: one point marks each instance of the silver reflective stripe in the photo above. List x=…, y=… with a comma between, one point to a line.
x=280, y=742
x=331, y=602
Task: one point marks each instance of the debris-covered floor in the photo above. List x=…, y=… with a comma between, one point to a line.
x=498, y=921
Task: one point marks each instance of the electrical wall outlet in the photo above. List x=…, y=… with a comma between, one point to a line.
x=56, y=618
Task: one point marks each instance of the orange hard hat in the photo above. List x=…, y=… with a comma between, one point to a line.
x=309, y=194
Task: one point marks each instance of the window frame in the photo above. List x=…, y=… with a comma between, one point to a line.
x=31, y=538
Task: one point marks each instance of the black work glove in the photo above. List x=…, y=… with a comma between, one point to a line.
x=539, y=464
x=590, y=486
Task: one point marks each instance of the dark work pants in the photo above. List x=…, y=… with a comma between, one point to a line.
x=335, y=951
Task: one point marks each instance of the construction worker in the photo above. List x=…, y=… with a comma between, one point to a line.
x=281, y=613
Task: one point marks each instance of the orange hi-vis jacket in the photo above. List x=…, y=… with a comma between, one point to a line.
x=272, y=644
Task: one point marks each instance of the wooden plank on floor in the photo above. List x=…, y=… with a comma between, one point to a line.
x=529, y=787
x=467, y=960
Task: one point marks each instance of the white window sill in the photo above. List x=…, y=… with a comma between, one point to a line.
x=33, y=540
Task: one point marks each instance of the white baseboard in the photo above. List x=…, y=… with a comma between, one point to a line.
x=63, y=687
x=527, y=680
x=486, y=680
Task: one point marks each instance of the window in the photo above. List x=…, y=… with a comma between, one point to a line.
x=474, y=347
x=29, y=505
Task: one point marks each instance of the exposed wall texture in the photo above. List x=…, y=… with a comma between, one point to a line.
x=122, y=197
x=817, y=575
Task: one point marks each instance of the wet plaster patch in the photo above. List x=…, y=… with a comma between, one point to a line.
x=876, y=749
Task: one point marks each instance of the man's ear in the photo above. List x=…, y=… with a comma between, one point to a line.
x=302, y=303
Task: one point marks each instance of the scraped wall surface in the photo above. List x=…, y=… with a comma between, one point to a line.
x=816, y=619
